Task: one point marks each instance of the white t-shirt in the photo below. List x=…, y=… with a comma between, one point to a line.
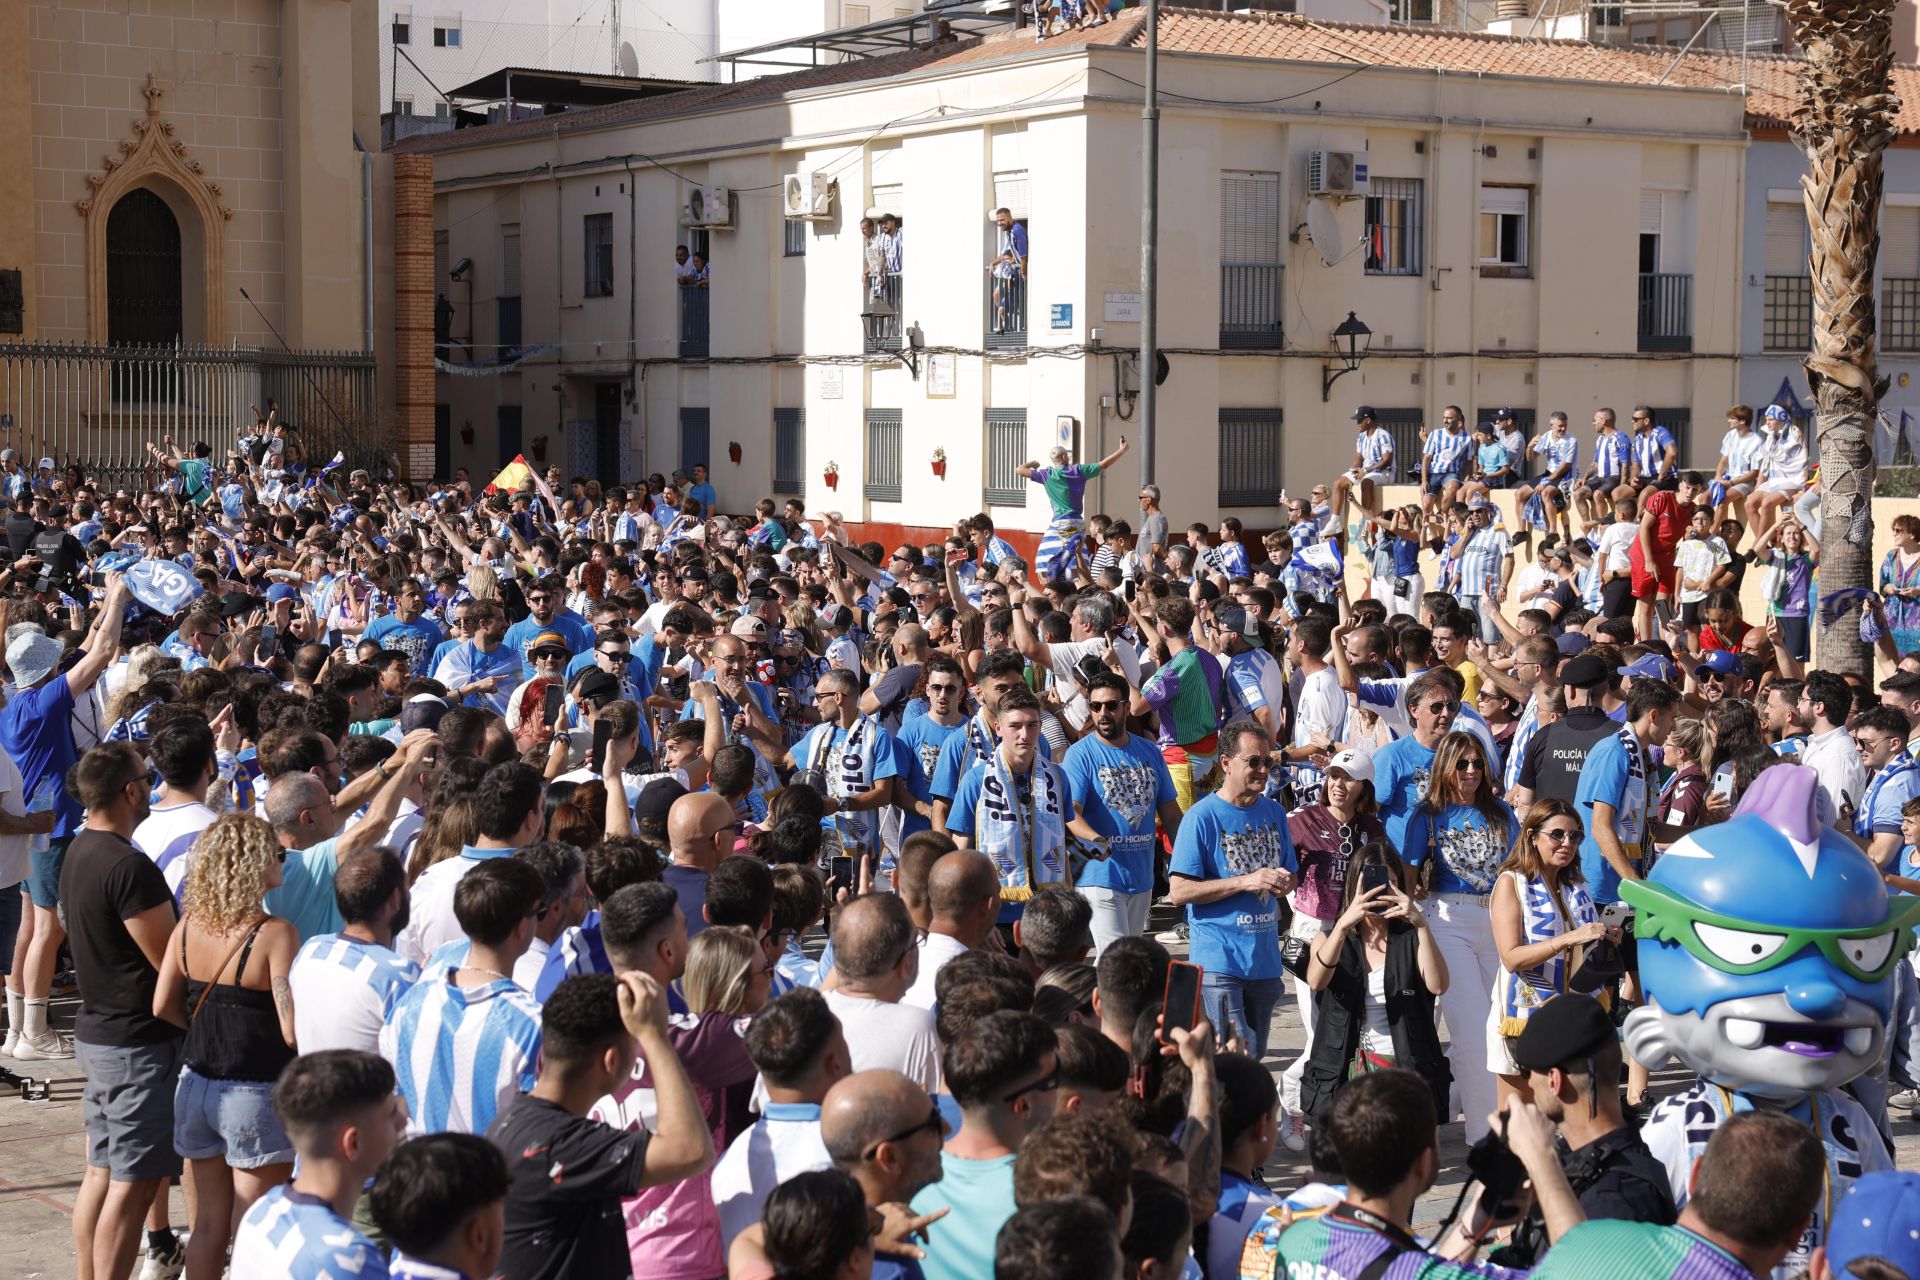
x=1616, y=543
x=899, y=1037
x=781, y=1145
x=1063, y=656
x=15, y=851
x=934, y=954
x=430, y=920
x=168, y=834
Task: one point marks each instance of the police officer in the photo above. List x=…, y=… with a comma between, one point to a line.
x=1570, y=1053
x=1556, y=753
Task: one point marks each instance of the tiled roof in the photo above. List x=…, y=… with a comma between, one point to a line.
x=1771, y=78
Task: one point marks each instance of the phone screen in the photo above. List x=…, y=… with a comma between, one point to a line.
x=268, y=639
x=840, y=872
x=1182, y=999
x=602, y=735
x=1375, y=876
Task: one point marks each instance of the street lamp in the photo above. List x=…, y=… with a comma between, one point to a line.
x=1351, y=338
x=876, y=315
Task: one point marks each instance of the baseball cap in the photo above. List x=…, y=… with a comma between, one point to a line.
x=1647, y=665
x=1584, y=672
x=46, y=464
x=1724, y=661
x=281, y=591
x=841, y=618
x=550, y=640
x=694, y=573
x=1880, y=1218
x=656, y=799
x=748, y=627
x=1239, y=621
x=1498, y=414
x=1357, y=765
x=423, y=711
x=1364, y=411
x=1565, y=1028
x=1572, y=642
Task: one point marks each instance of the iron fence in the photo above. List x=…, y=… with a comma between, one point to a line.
x=693, y=323
x=1899, y=314
x=1250, y=311
x=1666, y=312
x=99, y=406
x=1006, y=311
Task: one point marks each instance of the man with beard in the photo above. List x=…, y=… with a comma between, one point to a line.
x=1121, y=783
x=547, y=613
x=405, y=629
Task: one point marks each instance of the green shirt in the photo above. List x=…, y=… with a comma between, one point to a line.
x=1613, y=1249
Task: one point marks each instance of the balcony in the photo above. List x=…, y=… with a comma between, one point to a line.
x=1899, y=315
x=693, y=322
x=1006, y=312
x=1666, y=312
x=507, y=320
x=1786, y=315
x=1250, y=305
x=882, y=322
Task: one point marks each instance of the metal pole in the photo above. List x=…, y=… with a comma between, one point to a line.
x=1149, y=239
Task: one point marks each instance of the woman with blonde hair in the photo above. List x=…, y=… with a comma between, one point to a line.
x=483, y=583
x=1458, y=837
x=674, y=1230
x=1543, y=922
x=224, y=979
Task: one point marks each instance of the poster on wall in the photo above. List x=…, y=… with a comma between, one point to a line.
x=833, y=382
x=942, y=371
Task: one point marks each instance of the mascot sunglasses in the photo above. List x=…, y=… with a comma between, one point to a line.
x=1740, y=947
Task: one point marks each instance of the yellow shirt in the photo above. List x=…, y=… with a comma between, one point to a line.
x=1471, y=674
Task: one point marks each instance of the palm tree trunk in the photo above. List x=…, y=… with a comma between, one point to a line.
x=1843, y=122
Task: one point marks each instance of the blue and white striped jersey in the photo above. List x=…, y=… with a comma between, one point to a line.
x=1447, y=452
x=1558, y=451
x=296, y=1236
x=1480, y=561
x=1650, y=451
x=996, y=550
x=345, y=990
x=1375, y=448
x=1609, y=454
x=1743, y=451
x=167, y=835
x=461, y=1054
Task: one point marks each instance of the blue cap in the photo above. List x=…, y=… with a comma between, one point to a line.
x=1503, y=413
x=1647, y=665
x=1364, y=411
x=281, y=591
x=1724, y=661
x=1880, y=1218
x=1572, y=642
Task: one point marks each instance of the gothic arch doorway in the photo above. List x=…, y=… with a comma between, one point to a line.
x=145, y=304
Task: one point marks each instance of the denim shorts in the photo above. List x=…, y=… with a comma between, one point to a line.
x=128, y=1107
x=230, y=1119
x=12, y=907
x=43, y=882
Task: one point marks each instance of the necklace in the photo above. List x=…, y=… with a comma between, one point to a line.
x=474, y=968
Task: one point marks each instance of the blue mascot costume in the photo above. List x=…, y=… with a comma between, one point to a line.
x=1767, y=951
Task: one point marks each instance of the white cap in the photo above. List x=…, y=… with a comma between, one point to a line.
x=46, y=464
x=1355, y=764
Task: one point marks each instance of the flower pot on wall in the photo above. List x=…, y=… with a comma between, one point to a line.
x=733, y=452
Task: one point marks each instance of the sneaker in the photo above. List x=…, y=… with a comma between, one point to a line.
x=1293, y=1131
x=11, y=1043
x=54, y=1046
x=165, y=1265
x=1906, y=1099
x=1176, y=934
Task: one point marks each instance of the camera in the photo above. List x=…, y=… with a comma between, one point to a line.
x=1500, y=1174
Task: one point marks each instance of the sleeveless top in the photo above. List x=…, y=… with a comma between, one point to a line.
x=1517, y=995
x=235, y=1035
x=1564, y=747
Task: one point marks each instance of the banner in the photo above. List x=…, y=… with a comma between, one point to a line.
x=510, y=476
x=162, y=586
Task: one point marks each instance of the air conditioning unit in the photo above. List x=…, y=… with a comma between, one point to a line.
x=710, y=207
x=809, y=196
x=1336, y=173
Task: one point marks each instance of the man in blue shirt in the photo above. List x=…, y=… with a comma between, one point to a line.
x=921, y=740
x=482, y=671
x=702, y=492
x=405, y=629
x=1121, y=783
x=1616, y=791
x=546, y=613
x=1233, y=861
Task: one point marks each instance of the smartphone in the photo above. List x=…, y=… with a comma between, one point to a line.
x=602, y=735
x=1375, y=875
x=269, y=639
x=1127, y=588
x=1723, y=785
x=1182, y=1007
x=840, y=874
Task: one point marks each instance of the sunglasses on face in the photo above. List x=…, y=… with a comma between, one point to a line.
x=1046, y=1084
x=943, y=688
x=1561, y=835
x=1442, y=708
x=616, y=655
x=934, y=1121
x=1467, y=766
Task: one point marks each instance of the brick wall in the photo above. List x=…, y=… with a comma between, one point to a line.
x=413, y=310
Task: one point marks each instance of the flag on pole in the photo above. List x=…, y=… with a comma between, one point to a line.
x=510, y=476
x=545, y=490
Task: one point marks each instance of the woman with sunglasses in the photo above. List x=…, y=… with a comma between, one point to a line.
x=1543, y=922
x=1458, y=837
x=224, y=978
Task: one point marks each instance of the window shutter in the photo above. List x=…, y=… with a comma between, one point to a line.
x=1249, y=217
x=510, y=261
x=1900, y=243
x=1786, y=239
x=1010, y=193
x=1650, y=213
x=856, y=15
x=1503, y=200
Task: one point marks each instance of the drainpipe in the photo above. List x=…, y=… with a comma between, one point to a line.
x=366, y=238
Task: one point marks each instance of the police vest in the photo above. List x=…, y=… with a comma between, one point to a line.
x=1564, y=746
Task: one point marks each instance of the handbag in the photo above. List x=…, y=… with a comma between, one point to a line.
x=1295, y=955
x=1595, y=966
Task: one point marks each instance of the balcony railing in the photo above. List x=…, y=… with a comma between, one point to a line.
x=1900, y=315
x=1666, y=312
x=883, y=331
x=693, y=322
x=507, y=317
x=1006, y=311
x=1786, y=316
x=1250, y=305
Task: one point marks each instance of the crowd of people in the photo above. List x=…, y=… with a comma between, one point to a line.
x=561, y=879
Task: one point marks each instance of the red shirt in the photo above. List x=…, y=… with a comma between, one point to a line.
x=1670, y=521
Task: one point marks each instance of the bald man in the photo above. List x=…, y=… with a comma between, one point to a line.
x=881, y=1130
x=701, y=829
x=875, y=960
x=963, y=899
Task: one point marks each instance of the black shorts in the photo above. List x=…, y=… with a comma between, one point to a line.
x=1668, y=484
x=1616, y=598
x=1690, y=614
x=1602, y=484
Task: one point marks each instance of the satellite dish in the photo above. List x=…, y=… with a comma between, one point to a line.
x=1323, y=228
x=629, y=60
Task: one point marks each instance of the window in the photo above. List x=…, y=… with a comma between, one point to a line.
x=507, y=420
x=599, y=249
x=441, y=110
x=1007, y=284
x=789, y=450
x=1404, y=426
x=1503, y=229
x=856, y=15
x=1408, y=11
x=1680, y=423
x=402, y=105
x=446, y=37
x=1900, y=278
x=1249, y=457
x=1394, y=216
x=1250, y=262
x=1006, y=449
x=1787, y=303
x=796, y=241
x=695, y=425
x=402, y=32
x=885, y=434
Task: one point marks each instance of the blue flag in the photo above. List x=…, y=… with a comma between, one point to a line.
x=163, y=586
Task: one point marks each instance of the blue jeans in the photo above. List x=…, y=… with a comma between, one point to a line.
x=1241, y=1007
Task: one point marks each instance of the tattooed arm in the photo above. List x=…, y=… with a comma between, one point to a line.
x=282, y=941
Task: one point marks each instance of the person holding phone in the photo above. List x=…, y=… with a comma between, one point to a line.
x=1233, y=861
x=1375, y=977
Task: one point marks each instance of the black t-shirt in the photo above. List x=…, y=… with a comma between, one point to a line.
x=567, y=1223
x=104, y=883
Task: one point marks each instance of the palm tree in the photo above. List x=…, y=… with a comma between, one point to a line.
x=1843, y=122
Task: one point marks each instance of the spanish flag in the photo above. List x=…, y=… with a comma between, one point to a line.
x=511, y=476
